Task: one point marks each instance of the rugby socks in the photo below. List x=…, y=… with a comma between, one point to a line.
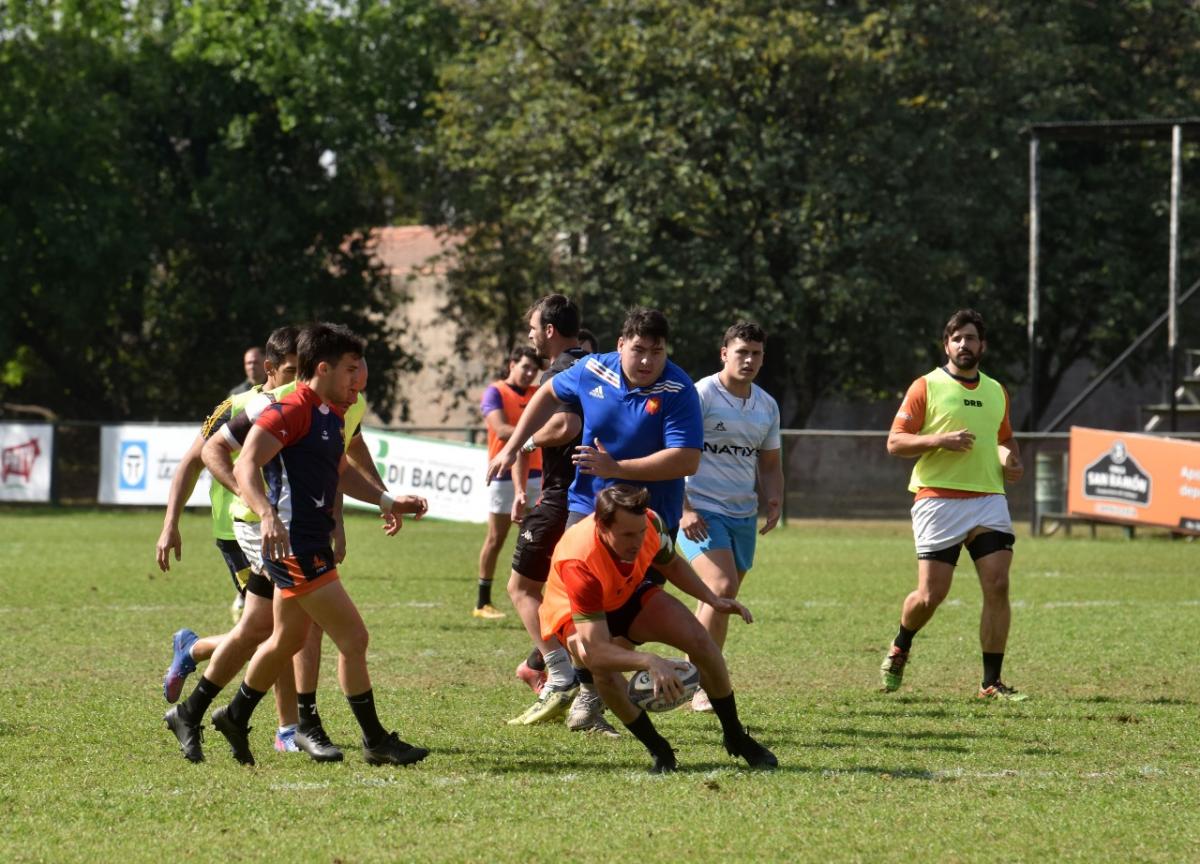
x=559, y=674
x=904, y=638
x=309, y=718
x=485, y=594
x=726, y=710
x=243, y=704
x=196, y=705
x=584, y=676
x=535, y=660
x=363, y=706
x=991, y=668
x=645, y=732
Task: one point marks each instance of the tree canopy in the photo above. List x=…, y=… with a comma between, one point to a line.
x=845, y=175
x=177, y=179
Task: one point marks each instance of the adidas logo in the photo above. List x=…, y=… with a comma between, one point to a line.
x=596, y=392
x=720, y=427
x=527, y=535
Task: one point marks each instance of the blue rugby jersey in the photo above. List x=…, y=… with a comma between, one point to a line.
x=631, y=423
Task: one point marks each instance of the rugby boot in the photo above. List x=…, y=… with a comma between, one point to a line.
x=182, y=664
x=535, y=678
x=664, y=763
x=317, y=745
x=755, y=754
x=587, y=714
x=237, y=736
x=188, y=733
x=1001, y=692
x=393, y=751
x=892, y=669
x=550, y=705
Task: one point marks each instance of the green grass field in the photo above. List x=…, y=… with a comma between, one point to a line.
x=1101, y=764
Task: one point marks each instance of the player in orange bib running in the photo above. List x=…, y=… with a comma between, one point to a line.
x=955, y=422
x=600, y=604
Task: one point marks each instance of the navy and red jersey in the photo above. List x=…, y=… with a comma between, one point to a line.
x=311, y=433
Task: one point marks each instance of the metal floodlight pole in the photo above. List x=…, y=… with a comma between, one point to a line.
x=1033, y=311
x=1173, y=272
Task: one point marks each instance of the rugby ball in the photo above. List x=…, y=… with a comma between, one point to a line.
x=641, y=688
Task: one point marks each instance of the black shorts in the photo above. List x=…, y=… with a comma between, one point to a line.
x=620, y=620
x=245, y=580
x=537, y=536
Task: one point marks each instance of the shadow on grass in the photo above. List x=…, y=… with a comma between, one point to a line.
x=891, y=745
x=855, y=732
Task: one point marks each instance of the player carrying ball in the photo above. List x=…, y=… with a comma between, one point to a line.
x=600, y=604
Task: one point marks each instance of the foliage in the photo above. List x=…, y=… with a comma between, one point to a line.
x=845, y=174
x=169, y=196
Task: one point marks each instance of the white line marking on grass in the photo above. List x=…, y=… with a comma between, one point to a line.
x=1083, y=604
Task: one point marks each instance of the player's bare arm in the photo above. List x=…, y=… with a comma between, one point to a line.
x=770, y=476
x=680, y=574
x=352, y=482
x=260, y=448
x=908, y=445
x=669, y=464
x=561, y=429
x=692, y=524
x=544, y=405
x=218, y=459
x=359, y=455
x=182, y=486
x=601, y=654
x=1010, y=458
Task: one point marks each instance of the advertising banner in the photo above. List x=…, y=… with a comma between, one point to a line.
x=27, y=450
x=446, y=473
x=137, y=462
x=1137, y=479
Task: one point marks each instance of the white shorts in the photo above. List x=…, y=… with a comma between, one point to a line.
x=249, y=538
x=500, y=494
x=939, y=523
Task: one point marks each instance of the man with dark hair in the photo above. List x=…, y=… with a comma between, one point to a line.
x=230, y=649
x=305, y=430
x=955, y=422
x=742, y=447
x=600, y=603
x=641, y=425
x=501, y=406
x=553, y=324
x=588, y=341
x=256, y=373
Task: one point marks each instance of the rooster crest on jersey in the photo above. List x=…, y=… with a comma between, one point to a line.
x=641, y=688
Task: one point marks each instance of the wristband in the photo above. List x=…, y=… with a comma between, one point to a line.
x=385, y=503
x=529, y=446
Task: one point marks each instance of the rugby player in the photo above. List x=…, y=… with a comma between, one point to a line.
x=236, y=647
x=600, y=603
x=641, y=425
x=741, y=446
x=553, y=329
x=309, y=733
x=305, y=430
x=501, y=406
x=955, y=422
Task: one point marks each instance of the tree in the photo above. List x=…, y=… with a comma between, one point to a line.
x=181, y=180
x=846, y=175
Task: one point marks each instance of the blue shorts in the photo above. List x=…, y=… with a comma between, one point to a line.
x=724, y=532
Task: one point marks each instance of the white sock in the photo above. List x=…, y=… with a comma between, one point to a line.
x=286, y=730
x=559, y=673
